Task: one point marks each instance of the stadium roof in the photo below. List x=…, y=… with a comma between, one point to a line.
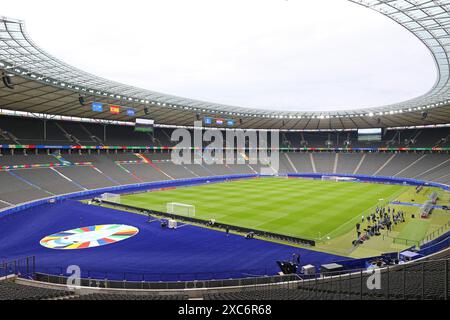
x=44, y=84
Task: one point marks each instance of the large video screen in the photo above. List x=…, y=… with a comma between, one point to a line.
x=374, y=134
x=144, y=125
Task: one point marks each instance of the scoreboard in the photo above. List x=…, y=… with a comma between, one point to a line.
x=144, y=125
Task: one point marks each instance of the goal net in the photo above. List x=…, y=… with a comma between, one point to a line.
x=111, y=197
x=181, y=209
x=330, y=178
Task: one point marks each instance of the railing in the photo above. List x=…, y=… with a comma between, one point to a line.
x=427, y=239
x=406, y=242
x=417, y=280
x=156, y=276
x=436, y=233
x=97, y=282
x=24, y=267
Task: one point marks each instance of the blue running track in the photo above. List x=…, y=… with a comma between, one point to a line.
x=154, y=254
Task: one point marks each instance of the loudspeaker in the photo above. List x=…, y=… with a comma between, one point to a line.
x=146, y=112
x=424, y=115
x=81, y=100
x=7, y=81
x=197, y=116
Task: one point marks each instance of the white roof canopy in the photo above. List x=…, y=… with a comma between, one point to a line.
x=46, y=84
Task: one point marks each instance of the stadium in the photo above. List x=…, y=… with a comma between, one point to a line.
x=113, y=192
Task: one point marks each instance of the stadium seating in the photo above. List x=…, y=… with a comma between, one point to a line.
x=274, y=294
x=9, y=290
x=424, y=280
x=31, y=131
x=49, y=180
x=300, y=161
x=419, y=280
x=100, y=169
x=372, y=163
x=30, y=158
x=105, y=296
x=14, y=190
x=348, y=162
x=107, y=165
x=324, y=162
x=87, y=177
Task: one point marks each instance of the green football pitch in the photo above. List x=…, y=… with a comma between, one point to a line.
x=310, y=209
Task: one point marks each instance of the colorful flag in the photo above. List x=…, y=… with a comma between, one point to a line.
x=208, y=120
x=114, y=109
x=97, y=107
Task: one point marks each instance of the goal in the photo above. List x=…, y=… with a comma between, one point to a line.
x=111, y=197
x=181, y=209
x=330, y=178
x=337, y=178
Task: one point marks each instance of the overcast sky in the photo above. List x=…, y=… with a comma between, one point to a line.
x=277, y=54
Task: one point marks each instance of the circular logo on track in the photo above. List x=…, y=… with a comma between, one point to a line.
x=89, y=237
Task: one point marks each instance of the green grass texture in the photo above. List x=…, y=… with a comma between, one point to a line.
x=310, y=209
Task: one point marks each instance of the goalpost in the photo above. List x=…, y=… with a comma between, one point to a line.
x=110, y=197
x=181, y=209
x=337, y=178
x=330, y=178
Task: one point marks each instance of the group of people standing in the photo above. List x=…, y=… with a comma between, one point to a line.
x=382, y=218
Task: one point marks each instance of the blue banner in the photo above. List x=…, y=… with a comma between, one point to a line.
x=97, y=107
x=208, y=120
